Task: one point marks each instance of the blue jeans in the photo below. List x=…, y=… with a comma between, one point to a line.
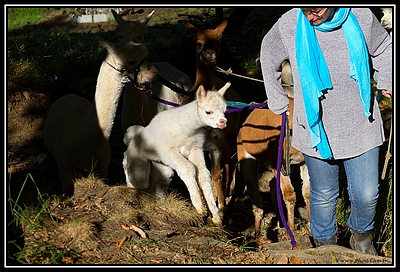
x=362, y=174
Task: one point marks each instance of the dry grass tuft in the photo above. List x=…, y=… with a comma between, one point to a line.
x=130, y=206
x=176, y=211
x=81, y=234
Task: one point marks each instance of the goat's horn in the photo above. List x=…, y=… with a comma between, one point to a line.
x=226, y=86
x=147, y=18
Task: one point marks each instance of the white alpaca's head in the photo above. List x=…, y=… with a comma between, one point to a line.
x=131, y=30
x=386, y=19
x=130, y=59
x=212, y=106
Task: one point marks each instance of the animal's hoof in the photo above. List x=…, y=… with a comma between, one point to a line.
x=69, y=191
x=222, y=209
x=202, y=212
x=217, y=220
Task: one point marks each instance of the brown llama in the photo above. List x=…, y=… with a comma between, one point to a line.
x=220, y=143
x=257, y=142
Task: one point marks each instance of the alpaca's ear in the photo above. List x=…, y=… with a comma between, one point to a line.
x=201, y=93
x=223, y=89
x=107, y=45
x=222, y=26
x=117, y=17
x=146, y=19
x=192, y=29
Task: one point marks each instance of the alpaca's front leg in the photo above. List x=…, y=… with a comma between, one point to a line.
x=205, y=183
x=248, y=169
x=67, y=180
x=289, y=197
x=187, y=172
x=213, y=146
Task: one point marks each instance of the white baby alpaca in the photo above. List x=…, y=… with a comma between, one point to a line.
x=174, y=140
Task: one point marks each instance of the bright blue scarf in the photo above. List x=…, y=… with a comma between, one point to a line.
x=314, y=73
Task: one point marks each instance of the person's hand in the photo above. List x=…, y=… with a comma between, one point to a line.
x=387, y=93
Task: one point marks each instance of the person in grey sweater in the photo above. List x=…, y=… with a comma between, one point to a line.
x=336, y=118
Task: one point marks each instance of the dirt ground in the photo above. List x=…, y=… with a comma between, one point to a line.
x=183, y=244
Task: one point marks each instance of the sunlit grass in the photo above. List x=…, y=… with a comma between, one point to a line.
x=19, y=17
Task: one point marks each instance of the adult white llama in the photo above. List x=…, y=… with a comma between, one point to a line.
x=137, y=107
x=76, y=131
x=131, y=30
x=180, y=148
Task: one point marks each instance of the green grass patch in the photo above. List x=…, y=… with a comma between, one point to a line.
x=17, y=18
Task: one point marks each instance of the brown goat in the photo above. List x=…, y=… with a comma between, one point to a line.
x=220, y=143
x=258, y=141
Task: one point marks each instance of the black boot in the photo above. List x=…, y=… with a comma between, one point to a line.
x=319, y=243
x=362, y=242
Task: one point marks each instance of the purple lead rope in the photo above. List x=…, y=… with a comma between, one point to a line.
x=278, y=177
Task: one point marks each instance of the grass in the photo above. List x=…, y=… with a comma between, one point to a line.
x=29, y=218
x=53, y=238
x=18, y=212
x=18, y=18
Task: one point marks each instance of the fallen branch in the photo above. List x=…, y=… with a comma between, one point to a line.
x=136, y=229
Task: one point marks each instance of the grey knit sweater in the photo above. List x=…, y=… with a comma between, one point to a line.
x=348, y=130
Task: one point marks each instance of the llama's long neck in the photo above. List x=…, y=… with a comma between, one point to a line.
x=108, y=91
x=204, y=75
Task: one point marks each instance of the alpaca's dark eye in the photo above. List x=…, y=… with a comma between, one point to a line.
x=209, y=112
